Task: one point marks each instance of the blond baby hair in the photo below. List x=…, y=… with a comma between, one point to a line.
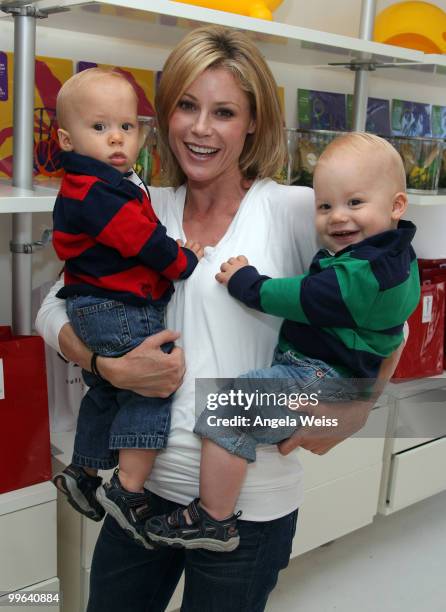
x=76, y=83
x=365, y=143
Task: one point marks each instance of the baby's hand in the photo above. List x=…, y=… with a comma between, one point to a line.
x=193, y=246
x=230, y=267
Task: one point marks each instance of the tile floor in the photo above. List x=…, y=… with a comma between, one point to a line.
x=396, y=564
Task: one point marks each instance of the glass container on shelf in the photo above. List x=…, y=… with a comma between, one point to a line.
x=289, y=174
x=442, y=179
x=304, y=148
x=422, y=162
x=311, y=144
x=144, y=163
x=148, y=164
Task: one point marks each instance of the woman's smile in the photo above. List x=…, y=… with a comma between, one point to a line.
x=201, y=152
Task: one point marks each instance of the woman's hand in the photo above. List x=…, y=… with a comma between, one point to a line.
x=351, y=416
x=230, y=267
x=146, y=369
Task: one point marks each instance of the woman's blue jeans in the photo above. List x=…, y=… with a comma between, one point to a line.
x=127, y=578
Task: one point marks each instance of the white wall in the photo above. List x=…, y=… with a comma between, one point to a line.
x=318, y=14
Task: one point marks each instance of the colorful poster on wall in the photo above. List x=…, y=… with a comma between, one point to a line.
x=3, y=76
x=50, y=74
x=439, y=121
x=321, y=110
x=411, y=118
x=378, y=115
x=143, y=82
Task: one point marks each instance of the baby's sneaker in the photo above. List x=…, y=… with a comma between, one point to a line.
x=203, y=532
x=130, y=510
x=80, y=489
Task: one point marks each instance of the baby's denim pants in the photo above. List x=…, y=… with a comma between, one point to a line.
x=273, y=390
x=111, y=418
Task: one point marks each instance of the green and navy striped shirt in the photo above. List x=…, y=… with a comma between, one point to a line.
x=350, y=308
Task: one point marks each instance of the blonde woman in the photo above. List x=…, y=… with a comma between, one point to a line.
x=221, y=141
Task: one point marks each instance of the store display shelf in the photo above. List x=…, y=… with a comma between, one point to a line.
x=28, y=496
x=417, y=199
x=436, y=61
x=407, y=388
x=18, y=200
x=163, y=23
x=41, y=199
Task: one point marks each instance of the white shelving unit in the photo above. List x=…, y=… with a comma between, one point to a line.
x=41, y=199
x=28, y=561
x=418, y=199
x=415, y=446
x=18, y=200
x=164, y=23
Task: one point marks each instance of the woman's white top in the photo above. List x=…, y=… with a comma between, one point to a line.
x=221, y=338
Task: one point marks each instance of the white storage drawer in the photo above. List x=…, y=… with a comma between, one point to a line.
x=334, y=509
x=402, y=444
x=348, y=457
x=416, y=474
x=27, y=537
x=420, y=417
x=48, y=586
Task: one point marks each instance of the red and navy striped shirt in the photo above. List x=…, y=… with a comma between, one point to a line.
x=110, y=238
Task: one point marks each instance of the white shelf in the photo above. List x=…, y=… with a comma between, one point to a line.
x=29, y=496
x=437, y=61
x=163, y=23
x=17, y=200
x=416, y=199
x=41, y=199
x=407, y=388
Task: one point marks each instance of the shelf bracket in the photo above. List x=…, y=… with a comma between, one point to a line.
x=30, y=247
x=23, y=9
x=356, y=65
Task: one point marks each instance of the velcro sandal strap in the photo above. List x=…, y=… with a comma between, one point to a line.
x=137, y=500
x=195, y=513
x=142, y=512
x=176, y=519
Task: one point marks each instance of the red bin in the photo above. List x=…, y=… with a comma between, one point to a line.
x=424, y=350
x=25, y=451
x=434, y=271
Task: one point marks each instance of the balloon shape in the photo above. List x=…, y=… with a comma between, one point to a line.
x=416, y=25
x=261, y=9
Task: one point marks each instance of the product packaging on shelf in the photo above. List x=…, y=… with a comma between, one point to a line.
x=442, y=179
x=25, y=454
x=423, y=353
x=304, y=149
x=434, y=271
x=422, y=162
x=148, y=165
